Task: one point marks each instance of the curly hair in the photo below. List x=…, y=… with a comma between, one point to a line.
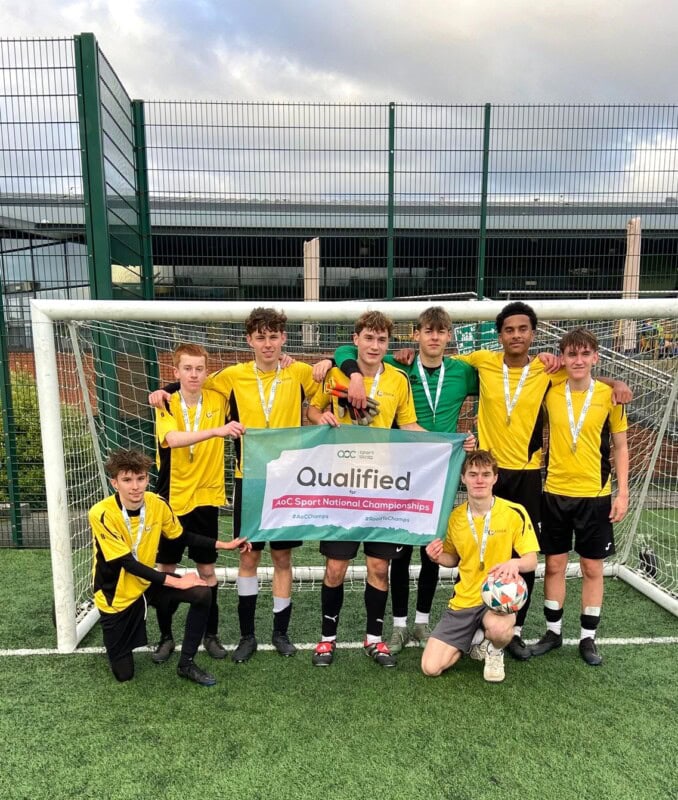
x=514, y=309
x=265, y=319
x=132, y=461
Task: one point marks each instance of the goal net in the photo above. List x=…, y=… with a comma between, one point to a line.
x=97, y=361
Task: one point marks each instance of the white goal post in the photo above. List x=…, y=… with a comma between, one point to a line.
x=95, y=362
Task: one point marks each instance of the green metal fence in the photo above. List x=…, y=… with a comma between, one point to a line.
x=102, y=196
x=42, y=252
x=409, y=199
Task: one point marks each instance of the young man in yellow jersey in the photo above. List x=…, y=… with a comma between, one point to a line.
x=126, y=530
x=262, y=393
x=577, y=496
x=513, y=385
x=482, y=535
x=440, y=385
x=190, y=434
x=390, y=388
x=510, y=420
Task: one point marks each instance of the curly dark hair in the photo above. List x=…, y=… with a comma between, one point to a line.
x=265, y=319
x=513, y=309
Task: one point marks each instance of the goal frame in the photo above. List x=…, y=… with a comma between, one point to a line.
x=46, y=313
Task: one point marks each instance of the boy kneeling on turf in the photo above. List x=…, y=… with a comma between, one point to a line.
x=126, y=530
x=481, y=535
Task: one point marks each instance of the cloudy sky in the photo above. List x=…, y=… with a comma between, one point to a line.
x=454, y=51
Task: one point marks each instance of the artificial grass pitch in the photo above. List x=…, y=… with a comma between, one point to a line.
x=280, y=728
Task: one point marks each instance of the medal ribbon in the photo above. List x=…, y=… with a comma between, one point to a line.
x=482, y=545
x=196, y=420
x=375, y=383
x=140, y=529
x=266, y=407
x=511, y=403
x=576, y=429
x=433, y=405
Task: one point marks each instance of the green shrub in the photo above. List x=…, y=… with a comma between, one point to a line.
x=28, y=458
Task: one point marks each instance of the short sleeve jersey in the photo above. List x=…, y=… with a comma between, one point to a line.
x=459, y=381
x=517, y=445
x=510, y=529
x=586, y=472
x=239, y=384
x=114, y=588
x=393, y=395
x=184, y=482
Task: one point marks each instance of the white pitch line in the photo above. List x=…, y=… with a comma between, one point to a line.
x=85, y=651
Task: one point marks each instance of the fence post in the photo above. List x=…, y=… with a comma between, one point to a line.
x=92, y=155
x=144, y=220
x=96, y=215
x=9, y=433
x=391, y=204
x=144, y=211
x=482, y=242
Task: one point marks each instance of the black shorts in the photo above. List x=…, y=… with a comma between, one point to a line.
x=203, y=520
x=588, y=518
x=345, y=551
x=124, y=631
x=237, y=522
x=522, y=486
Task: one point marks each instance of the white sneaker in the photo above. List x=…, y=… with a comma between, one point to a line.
x=493, y=672
x=479, y=651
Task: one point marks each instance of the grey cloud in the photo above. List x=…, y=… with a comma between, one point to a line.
x=438, y=51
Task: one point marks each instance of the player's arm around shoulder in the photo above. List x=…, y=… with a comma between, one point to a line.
x=454, y=365
x=221, y=381
x=403, y=358
x=159, y=399
x=552, y=364
x=321, y=368
x=305, y=375
x=621, y=392
x=475, y=359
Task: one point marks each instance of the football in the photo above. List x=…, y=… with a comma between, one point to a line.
x=504, y=597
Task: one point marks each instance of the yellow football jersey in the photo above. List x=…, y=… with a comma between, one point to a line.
x=510, y=529
x=586, y=471
x=114, y=588
x=517, y=445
